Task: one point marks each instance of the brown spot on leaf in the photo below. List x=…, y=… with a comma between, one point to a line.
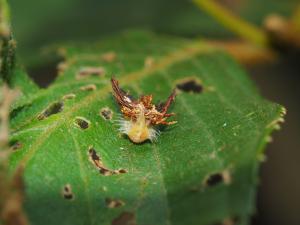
x=96, y=160
x=106, y=113
x=89, y=87
x=190, y=86
x=68, y=96
x=113, y=203
x=122, y=171
x=85, y=72
x=53, y=108
x=107, y=172
x=109, y=57
x=67, y=192
x=125, y=218
x=82, y=122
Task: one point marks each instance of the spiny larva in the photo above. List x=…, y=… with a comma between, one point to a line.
x=141, y=115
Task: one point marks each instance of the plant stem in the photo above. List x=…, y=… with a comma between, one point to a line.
x=237, y=25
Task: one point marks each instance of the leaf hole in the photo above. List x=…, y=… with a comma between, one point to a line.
x=94, y=156
x=67, y=192
x=106, y=113
x=217, y=178
x=113, y=203
x=82, y=122
x=214, y=179
x=107, y=172
x=15, y=145
x=109, y=56
x=190, y=86
x=122, y=171
x=53, y=108
x=96, y=160
x=85, y=72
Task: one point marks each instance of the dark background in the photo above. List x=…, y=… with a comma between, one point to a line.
x=38, y=24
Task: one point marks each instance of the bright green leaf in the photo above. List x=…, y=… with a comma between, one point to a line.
x=200, y=171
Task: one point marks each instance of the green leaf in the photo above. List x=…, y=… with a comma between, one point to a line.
x=20, y=80
x=202, y=170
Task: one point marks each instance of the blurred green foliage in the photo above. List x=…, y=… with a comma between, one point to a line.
x=40, y=23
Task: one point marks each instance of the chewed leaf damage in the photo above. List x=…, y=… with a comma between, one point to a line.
x=96, y=160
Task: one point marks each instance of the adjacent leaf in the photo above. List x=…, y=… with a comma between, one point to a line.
x=202, y=170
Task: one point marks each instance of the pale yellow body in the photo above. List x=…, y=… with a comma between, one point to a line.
x=140, y=130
